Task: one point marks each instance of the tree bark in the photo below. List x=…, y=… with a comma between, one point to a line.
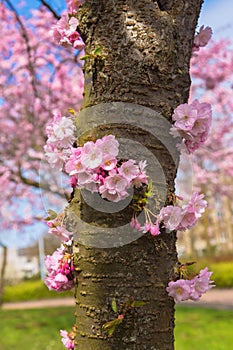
x=144, y=60
x=2, y=272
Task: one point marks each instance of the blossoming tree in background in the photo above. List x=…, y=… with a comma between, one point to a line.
x=212, y=166
x=135, y=53
x=37, y=77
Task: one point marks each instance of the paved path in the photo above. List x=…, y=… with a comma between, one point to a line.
x=215, y=298
x=35, y=304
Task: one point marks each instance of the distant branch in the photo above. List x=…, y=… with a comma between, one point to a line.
x=50, y=9
x=42, y=186
x=26, y=39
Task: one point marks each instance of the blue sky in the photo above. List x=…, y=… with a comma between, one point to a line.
x=218, y=14
x=58, y=5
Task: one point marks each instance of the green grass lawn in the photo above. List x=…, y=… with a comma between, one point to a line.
x=31, y=290
x=203, y=329
x=38, y=329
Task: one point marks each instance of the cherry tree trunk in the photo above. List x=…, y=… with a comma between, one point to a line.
x=139, y=54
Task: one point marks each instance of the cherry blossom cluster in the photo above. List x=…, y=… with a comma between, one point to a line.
x=184, y=289
x=68, y=338
x=64, y=32
x=57, y=228
x=95, y=167
x=211, y=68
x=192, y=121
x=178, y=217
x=73, y=5
x=60, y=133
x=202, y=38
x=60, y=269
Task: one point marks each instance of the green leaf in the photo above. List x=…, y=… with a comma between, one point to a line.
x=148, y=194
x=51, y=215
x=98, y=50
x=134, y=303
x=138, y=303
x=144, y=200
x=85, y=57
x=150, y=185
x=114, y=305
x=111, y=326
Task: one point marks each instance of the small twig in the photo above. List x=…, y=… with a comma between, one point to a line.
x=26, y=39
x=50, y=9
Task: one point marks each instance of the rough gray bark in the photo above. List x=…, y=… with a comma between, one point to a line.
x=146, y=50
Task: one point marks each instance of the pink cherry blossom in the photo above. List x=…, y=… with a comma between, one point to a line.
x=72, y=25
x=60, y=270
x=146, y=227
x=179, y=290
x=134, y=223
x=91, y=156
x=115, y=187
x=73, y=5
x=67, y=342
x=137, y=225
x=74, y=165
x=193, y=130
x=68, y=338
x=192, y=211
x=65, y=33
x=73, y=181
x=200, y=284
x=108, y=145
x=184, y=289
x=154, y=230
x=55, y=157
x=108, y=163
x=171, y=216
x=197, y=204
x=95, y=167
x=202, y=37
x=189, y=219
x=61, y=133
x=84, y=178
x=141, y=178
x=76, y=41
x=60, y=29
x=178, y=217
x=184, y=116
x=52, y=261
x=57, y=228
x=116, y=182
x=203, y=122
x=129, y=170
